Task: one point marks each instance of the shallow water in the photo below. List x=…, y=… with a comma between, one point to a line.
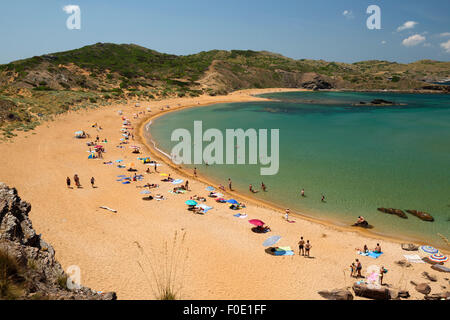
x=360, y=158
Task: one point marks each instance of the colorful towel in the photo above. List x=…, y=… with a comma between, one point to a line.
x=374, y=255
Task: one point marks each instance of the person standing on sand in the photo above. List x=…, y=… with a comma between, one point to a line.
x=76, y=179
x=286, y=215
x=92, y=182
x=68, y=182
x=156, y=166
x=229, y=184
x=308, y=246
x=382, y=272
x=186, y=185
x=352, y=269
x=358, y=268
x=195, y=172
x=301, y=247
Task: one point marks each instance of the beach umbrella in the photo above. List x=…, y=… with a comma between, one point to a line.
x=98, y=146
x=219, y=195
x=438, y=258
x=134, y=147
x=145, y=192
x=232, y=201
x=428, y=250
x=119, y=160
x=210, y=189
x=164, y=174
x=78, y=133
x=256, y=222
x=177, y=181
x=191, y=202
x=271, y=241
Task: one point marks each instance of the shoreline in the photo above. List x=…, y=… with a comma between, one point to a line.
x=144, y=136
x=226, y=260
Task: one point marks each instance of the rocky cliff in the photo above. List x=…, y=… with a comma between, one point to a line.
x=28, y=268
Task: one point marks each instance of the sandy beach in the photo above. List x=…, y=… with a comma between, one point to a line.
x=224, y=258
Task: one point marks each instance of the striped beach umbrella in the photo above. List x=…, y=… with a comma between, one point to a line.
x=428, y=250
x=210, y=188
x=438, y=258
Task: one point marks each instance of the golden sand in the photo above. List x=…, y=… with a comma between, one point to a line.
x=225, y=259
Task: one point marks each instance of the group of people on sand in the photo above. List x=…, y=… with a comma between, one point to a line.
x=304, y=247
x=76, y=180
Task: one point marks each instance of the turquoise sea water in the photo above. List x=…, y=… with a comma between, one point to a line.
x=360, y=158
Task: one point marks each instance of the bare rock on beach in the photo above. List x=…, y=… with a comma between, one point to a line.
x=372, y=292
x=423, y=288
x=409, y=247
x=438, y=296
x=403, y=263
x=337, y=294
x=30, y=261
x=429, y=276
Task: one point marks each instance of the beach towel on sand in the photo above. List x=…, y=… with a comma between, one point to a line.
x=374, y=255
x=284, y=251
x=413, y=258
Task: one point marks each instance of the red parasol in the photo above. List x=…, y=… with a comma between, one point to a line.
x=256, y=222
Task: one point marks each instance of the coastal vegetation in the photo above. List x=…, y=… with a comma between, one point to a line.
x=35, y=89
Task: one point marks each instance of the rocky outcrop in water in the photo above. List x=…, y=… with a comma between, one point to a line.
x=421, y=215
x=28, y=268
x=397, y=212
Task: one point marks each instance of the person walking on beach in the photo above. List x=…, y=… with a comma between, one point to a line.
x=382, y=272
x=195, y=172
x=76, y=179
x=229, y=184
x=68, y=182
x=92, y=182
x=286, y=215
x=307, y=248
x=301, y=247
x=263, y=186
x=156, y=166
x=186, y=185
x=358, y=268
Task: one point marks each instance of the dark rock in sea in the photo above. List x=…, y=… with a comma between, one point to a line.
x=337, y=294
x=409, y=247
x=421, y=215
x=34, y=273
x=381, y=101
x=376, y=293
x=397, y=212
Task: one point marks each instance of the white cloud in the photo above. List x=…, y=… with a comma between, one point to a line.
x=445, y=34
x=446, y=46
x=383, y=42
x=348, y=14
x=407, y=25
x=71, y=8
x=414, y=40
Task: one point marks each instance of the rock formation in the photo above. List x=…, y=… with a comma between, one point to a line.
x=397, y=212
x=421, y=215
x=28, y=268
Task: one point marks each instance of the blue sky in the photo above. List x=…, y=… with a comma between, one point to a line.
x=298, y=29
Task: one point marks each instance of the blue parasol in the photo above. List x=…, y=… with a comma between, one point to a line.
x=271, y=241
